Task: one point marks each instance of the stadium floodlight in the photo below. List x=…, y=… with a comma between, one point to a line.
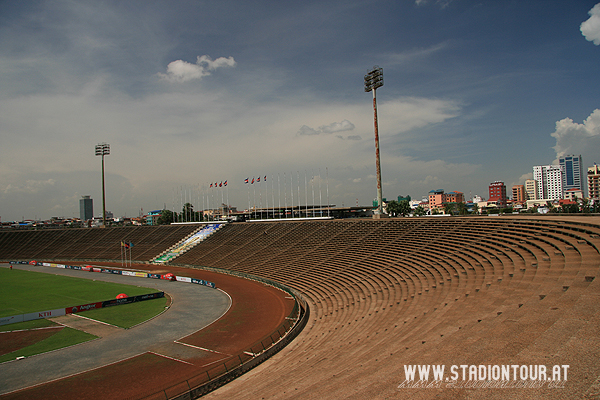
x=103, y=149
x=374, y=80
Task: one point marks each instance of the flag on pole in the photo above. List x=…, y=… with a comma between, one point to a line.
x=221, y=184
x=252, y=183
x=211, y=185
x=246, y=180
x=225, y=183
x=265, y=178
x=258, y=180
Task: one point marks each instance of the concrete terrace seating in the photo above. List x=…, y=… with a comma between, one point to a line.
x=90, y=244
x=393, y=292
x=388, y=293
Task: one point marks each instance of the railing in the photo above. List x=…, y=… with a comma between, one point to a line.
x=217, y=376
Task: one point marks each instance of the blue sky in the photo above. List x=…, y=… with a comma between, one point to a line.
x=192, y=92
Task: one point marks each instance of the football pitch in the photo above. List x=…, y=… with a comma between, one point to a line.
x=25, y=291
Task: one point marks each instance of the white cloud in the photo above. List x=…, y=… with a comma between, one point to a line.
x=30, y=186
x=345, y=125
x=333, y=127
x=182, y=71
x=441, y=3
x=590, y=28
x=307, y=130
x=574, y=138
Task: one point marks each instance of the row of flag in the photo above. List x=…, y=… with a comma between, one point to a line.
x=247, y=180
x=221, y=184
x=257, y=180
x=127, y=245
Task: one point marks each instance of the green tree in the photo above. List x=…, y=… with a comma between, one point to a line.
x=551, y=207
x=393, y=208
x=404, y=208
x=166, y=217
x=188, y=214
x=419, y=211
x=585, y=205
x=462, y=208
x=449, y=208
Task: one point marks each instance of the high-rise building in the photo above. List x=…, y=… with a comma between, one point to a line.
x=572, y=172
x=518, y=194
x=593, y=178
x=549, y=181
x=497, y=192
x=531, y=189
x=86, y=208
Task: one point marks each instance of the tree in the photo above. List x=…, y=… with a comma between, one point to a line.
x=188, y=214
x=166, y=217
x=393, y=208
x=585, y=205
x=419, y=211
x=462, y=208
x=404, y=208
x=449, y=208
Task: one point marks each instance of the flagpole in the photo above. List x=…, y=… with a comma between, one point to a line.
x=312, y=185
x=247, y=183
x=285, y=194
x=299, y=202
x=320, y=198
x=292, y=193
x=327, y=184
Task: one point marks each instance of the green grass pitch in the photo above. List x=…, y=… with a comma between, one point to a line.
x=24, y=292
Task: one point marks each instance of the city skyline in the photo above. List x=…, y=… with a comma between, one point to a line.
x=189, y=93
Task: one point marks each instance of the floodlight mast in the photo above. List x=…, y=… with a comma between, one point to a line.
x=103, y=149
x=374, y=80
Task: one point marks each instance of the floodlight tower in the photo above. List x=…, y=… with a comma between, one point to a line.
x=374, y=80
x=103, y=149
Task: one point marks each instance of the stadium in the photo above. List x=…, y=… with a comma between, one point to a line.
x=354, y=308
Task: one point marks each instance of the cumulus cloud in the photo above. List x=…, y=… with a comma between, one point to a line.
x=183, y=71
x=574, y=138
x=307, y=130
x=30, y=186
x=333, y=127
x=590, y=28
